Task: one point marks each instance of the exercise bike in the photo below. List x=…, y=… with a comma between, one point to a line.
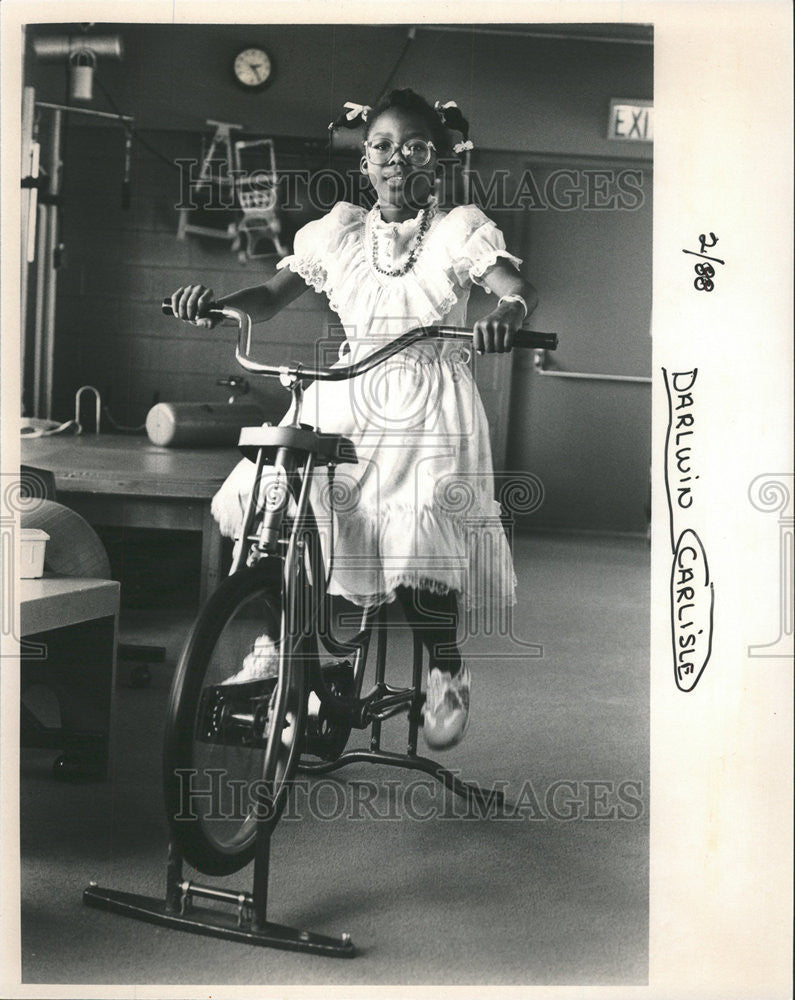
x=234, y=740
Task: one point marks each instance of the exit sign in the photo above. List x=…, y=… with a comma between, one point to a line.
x=631, y=121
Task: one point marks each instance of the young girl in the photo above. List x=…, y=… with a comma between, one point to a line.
x=419, y=523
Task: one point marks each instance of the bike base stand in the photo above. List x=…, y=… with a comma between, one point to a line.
x=216, y=923
x=245, y=924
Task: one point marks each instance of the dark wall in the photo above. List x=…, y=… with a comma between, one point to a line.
x=119, y=264
x=520, y=93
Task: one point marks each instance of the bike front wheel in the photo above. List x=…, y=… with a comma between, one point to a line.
x=235, y=722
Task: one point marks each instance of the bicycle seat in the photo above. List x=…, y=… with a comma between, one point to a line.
x=333, y=448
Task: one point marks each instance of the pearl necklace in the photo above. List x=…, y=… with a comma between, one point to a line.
x=413, y=253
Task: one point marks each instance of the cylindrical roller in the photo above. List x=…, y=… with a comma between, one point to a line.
x=66, y=46
x=200, y=425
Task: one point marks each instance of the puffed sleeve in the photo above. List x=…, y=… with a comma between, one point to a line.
x=317, y=246
x=310, y=248
x=475, y=244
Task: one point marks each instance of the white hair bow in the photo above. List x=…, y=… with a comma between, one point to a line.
x=356, y=110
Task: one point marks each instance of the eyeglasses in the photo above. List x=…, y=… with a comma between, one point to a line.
x=416, y=151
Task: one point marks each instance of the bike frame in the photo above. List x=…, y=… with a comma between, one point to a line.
x=295, y=452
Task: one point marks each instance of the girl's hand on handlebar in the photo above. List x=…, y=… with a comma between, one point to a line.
x=494, y=333
x=191, y=303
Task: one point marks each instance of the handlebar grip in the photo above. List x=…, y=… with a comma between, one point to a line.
x=213, y=312
x=531, y=339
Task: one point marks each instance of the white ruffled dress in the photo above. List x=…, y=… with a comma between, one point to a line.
x=418, y=509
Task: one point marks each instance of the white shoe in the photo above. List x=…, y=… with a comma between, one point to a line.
x=446, y=713
x=260, y=664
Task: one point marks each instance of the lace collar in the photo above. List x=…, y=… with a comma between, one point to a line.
x=408, y=225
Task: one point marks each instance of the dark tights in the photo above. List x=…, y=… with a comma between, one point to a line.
x=434, y=618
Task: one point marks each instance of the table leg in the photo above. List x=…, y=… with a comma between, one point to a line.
x=211, y=572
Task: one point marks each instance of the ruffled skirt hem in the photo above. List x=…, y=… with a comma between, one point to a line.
x=468, y=601
x=372, y=552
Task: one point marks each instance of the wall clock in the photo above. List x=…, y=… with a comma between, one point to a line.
x=253, y=68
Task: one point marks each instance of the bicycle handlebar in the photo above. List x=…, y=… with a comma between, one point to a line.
x=522, y=338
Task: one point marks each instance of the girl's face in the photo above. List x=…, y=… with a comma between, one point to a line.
x=398, y=183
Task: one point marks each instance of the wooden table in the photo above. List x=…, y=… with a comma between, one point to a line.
x=124, y=481
x=69, y=628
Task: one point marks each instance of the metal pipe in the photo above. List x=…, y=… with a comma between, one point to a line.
x=539, y=360
x=517, y=33
x=259, y=889
x=98, y=406
x=38, y=323
x=31, y=208
x=66, y=46
x=30, y=169
x=48, y=346
x=27, y=165
x=239, y=552
x=46, y=274
x=173, y=878
x=416, y=681
x=84, y=111
x=211, y=892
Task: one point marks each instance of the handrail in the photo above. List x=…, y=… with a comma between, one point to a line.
x=539, y=362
